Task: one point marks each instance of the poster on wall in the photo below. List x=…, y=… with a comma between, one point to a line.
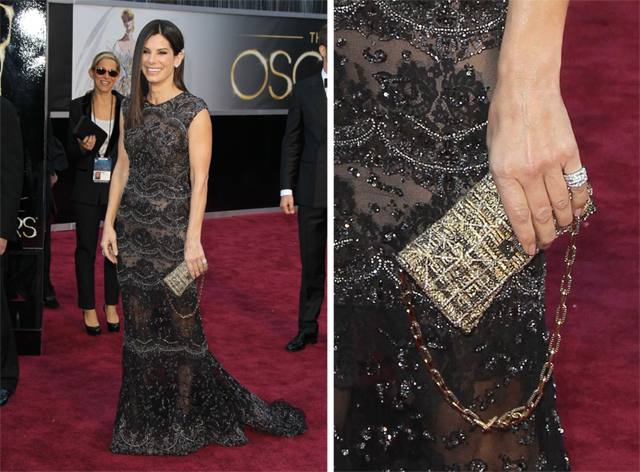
x=238, y=63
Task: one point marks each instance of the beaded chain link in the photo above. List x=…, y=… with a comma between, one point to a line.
x=184, y=317
x=518, y=414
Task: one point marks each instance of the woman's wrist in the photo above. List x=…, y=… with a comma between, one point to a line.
x=518, y=68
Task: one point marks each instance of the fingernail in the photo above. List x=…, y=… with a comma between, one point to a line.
x=115, y=253
x=578, y=212
x=531, y=250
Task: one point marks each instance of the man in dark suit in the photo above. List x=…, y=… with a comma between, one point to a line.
x=11, y=177
x=304, y=169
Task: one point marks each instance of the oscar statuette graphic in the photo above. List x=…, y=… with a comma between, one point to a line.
x=7, y=18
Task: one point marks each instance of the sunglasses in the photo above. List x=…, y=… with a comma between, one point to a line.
x=102, y=71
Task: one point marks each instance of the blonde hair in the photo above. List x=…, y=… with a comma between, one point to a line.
x=105, y=55
x=126, y=11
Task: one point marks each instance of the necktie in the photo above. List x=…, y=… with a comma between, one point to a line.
x=325, y=83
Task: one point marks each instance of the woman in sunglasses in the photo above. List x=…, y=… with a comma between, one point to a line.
x=90, y=193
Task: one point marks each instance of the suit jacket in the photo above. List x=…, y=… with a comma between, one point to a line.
x=303, y=166
x=12, y=171
x=84, y=189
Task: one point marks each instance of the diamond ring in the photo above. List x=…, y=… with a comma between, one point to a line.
x=576, y=179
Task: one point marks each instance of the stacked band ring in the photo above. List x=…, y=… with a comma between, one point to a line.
x=576, y=179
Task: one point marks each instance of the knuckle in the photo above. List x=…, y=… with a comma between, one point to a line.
x=568, y=150
x=531, y=170
x=561, y=203
x=501, y=171
x=543, y=215
x=520, y=216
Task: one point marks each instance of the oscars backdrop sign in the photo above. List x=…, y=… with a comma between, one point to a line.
x=238, y=63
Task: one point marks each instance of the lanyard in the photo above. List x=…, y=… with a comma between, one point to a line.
x=93, y=117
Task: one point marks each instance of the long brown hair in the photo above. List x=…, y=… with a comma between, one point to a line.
x=139, y=83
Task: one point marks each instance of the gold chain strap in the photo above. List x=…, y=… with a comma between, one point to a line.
x=184, y=317
x=520, y=413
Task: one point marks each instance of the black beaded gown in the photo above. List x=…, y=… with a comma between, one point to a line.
x=413, y=80
x=175, y=396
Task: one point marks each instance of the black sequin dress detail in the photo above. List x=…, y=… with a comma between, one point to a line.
x=413, y=80
x=175, y=396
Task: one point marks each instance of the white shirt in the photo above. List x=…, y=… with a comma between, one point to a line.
x=107, y=126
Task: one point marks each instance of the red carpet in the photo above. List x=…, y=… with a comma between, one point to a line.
x=62, y=415
x=597, y=367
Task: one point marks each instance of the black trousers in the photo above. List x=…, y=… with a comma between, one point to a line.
x=87, y=231
x=9, y=349
x=312, y=230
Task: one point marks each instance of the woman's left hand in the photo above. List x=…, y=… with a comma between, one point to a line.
x=194, y=255
x=531, y=145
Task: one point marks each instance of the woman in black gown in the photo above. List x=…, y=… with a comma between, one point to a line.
x=175, y=396
x=413, y=83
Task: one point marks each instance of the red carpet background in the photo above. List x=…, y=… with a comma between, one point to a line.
x=62, y=415
x=597, y=367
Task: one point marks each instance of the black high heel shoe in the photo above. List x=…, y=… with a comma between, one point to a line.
x=91, y=330
x=112, y=327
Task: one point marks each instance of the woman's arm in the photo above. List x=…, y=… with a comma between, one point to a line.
x=119, y=179
x=77, y=149
x=529, y=136
x=200, y=139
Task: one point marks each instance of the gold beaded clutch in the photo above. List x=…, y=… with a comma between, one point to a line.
x=179, y=279
x=463, y=260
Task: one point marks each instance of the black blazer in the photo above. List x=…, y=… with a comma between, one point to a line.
x=303, y=166
x=12, y=169
x=84, y=189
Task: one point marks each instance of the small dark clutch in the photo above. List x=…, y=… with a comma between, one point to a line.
x=179, y=279
x=86, y=127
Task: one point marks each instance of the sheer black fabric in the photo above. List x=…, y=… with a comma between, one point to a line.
x=175, y=396
x=413, y=80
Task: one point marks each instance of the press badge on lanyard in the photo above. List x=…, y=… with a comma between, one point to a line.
x=102, y=164
x=102, y=170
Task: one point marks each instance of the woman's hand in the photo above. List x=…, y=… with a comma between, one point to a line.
x=87, y=144
x=531, y=145
x=109, y=243
x=194, y=255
